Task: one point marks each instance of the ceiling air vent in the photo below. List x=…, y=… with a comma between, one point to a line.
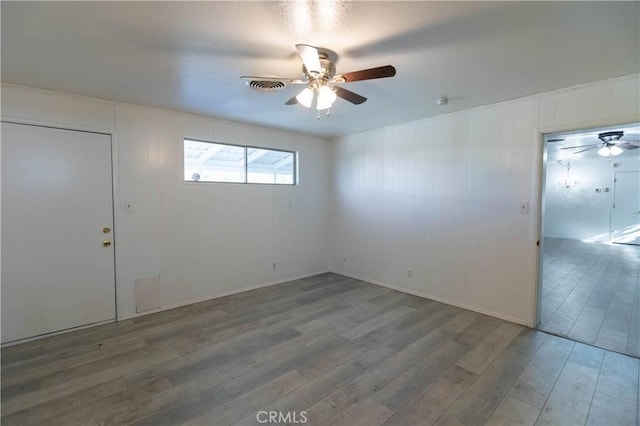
x=265, y=85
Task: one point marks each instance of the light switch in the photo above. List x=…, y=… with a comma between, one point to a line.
x=524, y=207
x=128, y=207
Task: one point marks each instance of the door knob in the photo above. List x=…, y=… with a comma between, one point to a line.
x=106, y=230
x=106, y=243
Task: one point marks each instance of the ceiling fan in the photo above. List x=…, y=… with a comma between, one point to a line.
x=321, y=80
x=611, y=145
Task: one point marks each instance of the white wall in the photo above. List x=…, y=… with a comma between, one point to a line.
x=579, y=212
x=441, y=196
x=203, y=240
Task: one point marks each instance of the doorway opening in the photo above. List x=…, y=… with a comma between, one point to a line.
x=590, y=246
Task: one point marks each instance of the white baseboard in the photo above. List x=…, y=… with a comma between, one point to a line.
x=55, y=333
x=437, y=299
x=217, y=296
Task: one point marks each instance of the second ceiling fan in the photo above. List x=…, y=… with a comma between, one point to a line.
x=611, y=144
x=322, y=81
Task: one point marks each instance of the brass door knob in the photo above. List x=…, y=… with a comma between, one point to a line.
x=106, y=243
x=106, y=230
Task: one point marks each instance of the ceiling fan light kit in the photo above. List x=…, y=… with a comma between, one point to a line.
x=305, y=97
x=607, y=151
x=321, y=80
x=326, y=97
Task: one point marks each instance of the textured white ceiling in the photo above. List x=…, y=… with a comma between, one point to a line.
x=188, y=56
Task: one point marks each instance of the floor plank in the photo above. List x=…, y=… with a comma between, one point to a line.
x=536, y=382
x=240, y=407
x=369, y=413
x=477, y=403
x=616, y=392
x=571, y=397
x=429, y=405
x=335, y=405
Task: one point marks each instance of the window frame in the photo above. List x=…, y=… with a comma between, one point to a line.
x=246, y=165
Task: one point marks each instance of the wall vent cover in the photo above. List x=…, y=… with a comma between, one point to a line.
x=147, y=294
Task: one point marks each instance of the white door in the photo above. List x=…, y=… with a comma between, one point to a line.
x=625, y=220
x=57, y=224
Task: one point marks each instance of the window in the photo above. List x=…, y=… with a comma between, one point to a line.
x=269, y=166
x=215, y=162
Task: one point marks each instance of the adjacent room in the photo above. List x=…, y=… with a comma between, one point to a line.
x=591, y=251
x=320, y=212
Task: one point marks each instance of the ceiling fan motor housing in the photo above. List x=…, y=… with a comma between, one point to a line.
x=610, y=136
x=328, y=69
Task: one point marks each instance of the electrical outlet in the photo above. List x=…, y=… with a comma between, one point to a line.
x=274, y=265
x=409, y=273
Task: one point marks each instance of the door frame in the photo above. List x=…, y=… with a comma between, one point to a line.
x=538, y=183
x=115, y=207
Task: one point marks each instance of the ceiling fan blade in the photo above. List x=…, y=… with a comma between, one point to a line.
x=369, y=74
x=310, y=58
x=264, y=78
x=292, y=101
x=628, y=145
x=630, y=137
x=581, y=146
x=348, y=95
x=587, y=149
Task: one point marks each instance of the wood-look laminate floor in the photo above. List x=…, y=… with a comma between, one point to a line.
x=591, y=293
x=340, y=350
